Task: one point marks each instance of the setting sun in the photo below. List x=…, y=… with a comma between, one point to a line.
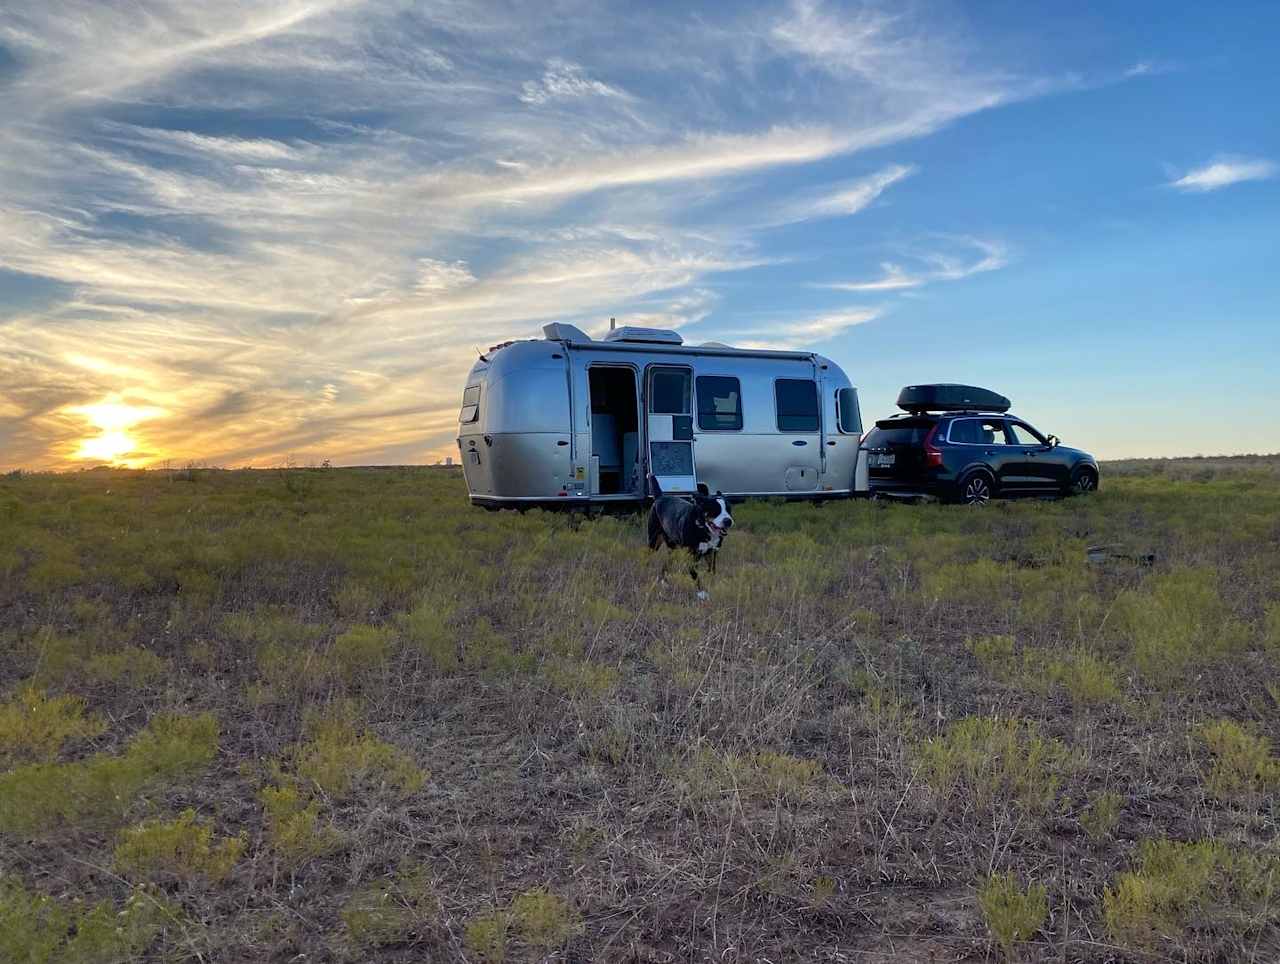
x=112, y=418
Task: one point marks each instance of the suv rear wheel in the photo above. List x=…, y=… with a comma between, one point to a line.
x=977, y=488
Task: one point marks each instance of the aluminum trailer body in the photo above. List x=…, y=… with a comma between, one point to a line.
x=569, y=420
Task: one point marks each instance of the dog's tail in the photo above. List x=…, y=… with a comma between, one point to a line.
x=655, y=490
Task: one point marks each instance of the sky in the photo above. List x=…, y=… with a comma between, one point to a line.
x=262, y=233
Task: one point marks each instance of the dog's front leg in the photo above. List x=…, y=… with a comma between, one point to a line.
x=697, y=583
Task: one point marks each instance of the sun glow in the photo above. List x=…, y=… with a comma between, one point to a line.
x=112, y=419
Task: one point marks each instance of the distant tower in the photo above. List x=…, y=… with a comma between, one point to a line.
x=448, y=460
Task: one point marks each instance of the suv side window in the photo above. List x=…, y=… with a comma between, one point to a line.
x=1024, y=434
x=978, y=431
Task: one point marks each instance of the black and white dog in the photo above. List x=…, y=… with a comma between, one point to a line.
x=698, y=524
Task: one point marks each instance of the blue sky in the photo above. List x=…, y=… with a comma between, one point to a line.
x=246, y=232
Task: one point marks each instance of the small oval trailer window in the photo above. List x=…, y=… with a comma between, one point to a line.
x=470, y=405
x=847, y=413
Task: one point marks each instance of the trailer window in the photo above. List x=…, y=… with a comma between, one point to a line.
x=847, y=414
x=719, y=403
x=797, y=400
x=470, y=405
x=670, y=390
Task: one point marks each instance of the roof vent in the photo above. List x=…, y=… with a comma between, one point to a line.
x=558, y=331
x=660, y=336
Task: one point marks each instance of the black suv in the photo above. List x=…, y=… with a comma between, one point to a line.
x=960, y=444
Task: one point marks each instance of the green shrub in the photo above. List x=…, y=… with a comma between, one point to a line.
x=1178, y=886
x=39, y=796
x=35, y=929
x=1173, y=881
x=1178, y=621
x=1013, y=915
x=360, y=650
x=1087, y=679
x=1102, y=815
x=580, y=677
x=996, y=655
x=266, y=626
x=485, y=936
x=342, y=760
x=183, y=848
x=764, y=775
x=993, y=759
x=1242, y=761
x=392, y=912
x=62, y=658
x=294, y=827
x=1271, y=627
x=956, y=582
x=426, y=628
x=34, y=726
x=129, y=664
x=544, y=920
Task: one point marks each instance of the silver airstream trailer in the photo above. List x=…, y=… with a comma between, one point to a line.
x=565, y=420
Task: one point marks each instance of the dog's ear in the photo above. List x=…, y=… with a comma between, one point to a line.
x=703, y=490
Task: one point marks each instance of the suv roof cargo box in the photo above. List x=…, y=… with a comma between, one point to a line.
x=950, y=398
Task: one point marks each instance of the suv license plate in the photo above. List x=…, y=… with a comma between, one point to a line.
x=881, y=461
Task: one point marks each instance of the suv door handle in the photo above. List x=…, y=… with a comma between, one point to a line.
x=799, y=441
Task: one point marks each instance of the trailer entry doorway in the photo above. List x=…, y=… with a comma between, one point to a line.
x=670, y=428
x=615, y=437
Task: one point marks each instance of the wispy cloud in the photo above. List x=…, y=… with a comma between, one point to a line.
x=849, y=197
x=563, y=80
x=964, y=256
x=289, y=226
x=790, y=333
x=1223, y=172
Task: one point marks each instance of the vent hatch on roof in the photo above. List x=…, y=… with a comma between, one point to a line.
x=661, y=336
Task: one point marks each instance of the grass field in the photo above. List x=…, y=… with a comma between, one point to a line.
x=316, y=715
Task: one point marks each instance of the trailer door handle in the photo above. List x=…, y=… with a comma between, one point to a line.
x=799, y=441
x=562, y=442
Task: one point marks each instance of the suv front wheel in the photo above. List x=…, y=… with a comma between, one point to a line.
x=976, y=488
x=1083, y=481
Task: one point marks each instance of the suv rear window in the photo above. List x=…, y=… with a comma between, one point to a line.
x=910, y=432
x=470, y=404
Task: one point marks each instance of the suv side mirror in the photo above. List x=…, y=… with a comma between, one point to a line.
x=1053, y=441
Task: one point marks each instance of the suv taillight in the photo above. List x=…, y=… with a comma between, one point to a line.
x=932, y=455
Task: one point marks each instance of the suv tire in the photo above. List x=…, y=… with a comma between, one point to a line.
x=1084, y=480
x=976, y=488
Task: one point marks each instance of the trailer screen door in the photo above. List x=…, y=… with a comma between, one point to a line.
x=670, y=426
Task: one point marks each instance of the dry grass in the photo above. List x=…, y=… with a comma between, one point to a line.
x=338, y=715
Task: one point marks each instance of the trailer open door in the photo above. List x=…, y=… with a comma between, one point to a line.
x=669, y=427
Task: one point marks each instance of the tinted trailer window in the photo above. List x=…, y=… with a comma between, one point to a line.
x=797, y=401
